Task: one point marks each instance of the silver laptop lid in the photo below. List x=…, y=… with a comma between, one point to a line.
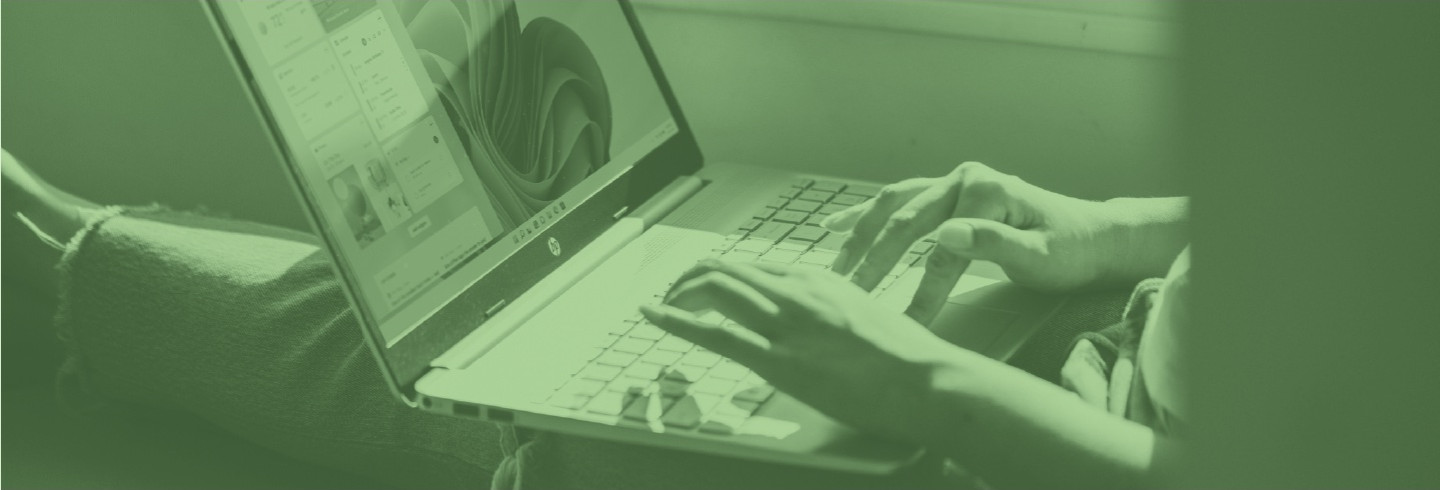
x=451, y=153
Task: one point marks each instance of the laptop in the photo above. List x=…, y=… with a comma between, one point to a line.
x=502, y=184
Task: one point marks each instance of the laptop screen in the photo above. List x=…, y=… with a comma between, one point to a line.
x=436, y=137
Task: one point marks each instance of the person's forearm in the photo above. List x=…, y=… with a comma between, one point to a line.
x=1147, y=234
x=1014, y=429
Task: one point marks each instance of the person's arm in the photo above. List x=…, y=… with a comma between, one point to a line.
x=1042, y=239
x=1145, y=235
x=1016, y=430
x=51, y=211
x=818, y=338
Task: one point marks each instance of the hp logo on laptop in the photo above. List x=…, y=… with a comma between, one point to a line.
x=554, y=247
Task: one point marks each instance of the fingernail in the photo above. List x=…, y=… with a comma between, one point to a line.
x=957, y=236
x=651, y=312
x=829, y=222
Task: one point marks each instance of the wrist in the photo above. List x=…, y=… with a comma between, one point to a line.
x=1142, y=236
x=955, y=384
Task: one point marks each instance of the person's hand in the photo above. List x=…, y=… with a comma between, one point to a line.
x=814, y=336
x=1041, y=239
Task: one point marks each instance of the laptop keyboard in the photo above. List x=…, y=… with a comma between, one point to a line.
x=643, y=375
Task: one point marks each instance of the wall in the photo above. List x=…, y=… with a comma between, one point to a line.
x=133, y=101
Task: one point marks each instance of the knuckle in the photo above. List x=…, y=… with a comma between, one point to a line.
x=985, y=235
x=887, y=193
x=987, y=187
x=902, y=221
x=966, y=169
x=710, y=280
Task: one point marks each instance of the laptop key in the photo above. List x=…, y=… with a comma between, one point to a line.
x=803, y=206
x=833, y=208
x=849, y=199
x=790, y=192
x=828, y=186
x=808, y=233
x=600, y=372
x=802, y=183
x=663, y=356
x=912, y=258
x=750, y=225
x=780, y=256
x=646, y=331
x=617, y=359
x=569, y=401
x=645, y=370
x=753, y=245
x=831, y=242
x=670, y=343
x=863, y=190
x=772, y=231
x=701, y=359
x=587, y=387
x=730, y=370
x=792, y=245
x=632, y=345
x=819, y=257
x=788, y=216
x=608, y=403
x=814, y=195
x=741, y=256
x=777, y=203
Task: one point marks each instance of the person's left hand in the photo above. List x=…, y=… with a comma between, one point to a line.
x=815, y=336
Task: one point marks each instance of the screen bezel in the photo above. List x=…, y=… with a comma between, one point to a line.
x=574, y=225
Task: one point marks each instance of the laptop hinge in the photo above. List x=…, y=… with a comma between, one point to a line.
x=668, y=199
x=499, y=324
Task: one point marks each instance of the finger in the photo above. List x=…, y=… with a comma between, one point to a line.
x=700, y=268
x=749, y=348
x=942, y=270
x=868, y=225
x=718, y=290
x=765, y=280
x=774, y=268
x=982, y=239
x=844, y=220
x=912, y=221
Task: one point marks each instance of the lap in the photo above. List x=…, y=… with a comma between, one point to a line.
x=245, y=326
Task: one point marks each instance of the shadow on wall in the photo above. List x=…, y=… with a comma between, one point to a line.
x=134, y=102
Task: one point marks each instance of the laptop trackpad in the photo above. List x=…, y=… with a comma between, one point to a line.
x=976, y=328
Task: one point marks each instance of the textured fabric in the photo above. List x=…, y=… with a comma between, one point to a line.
x=1159, y=351
x=1046, y=351
x=244, y=326
x=1103, y=367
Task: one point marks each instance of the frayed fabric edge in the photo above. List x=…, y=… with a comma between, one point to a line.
x=71, y=388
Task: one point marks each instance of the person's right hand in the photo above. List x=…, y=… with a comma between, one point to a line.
x=1041, y=239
